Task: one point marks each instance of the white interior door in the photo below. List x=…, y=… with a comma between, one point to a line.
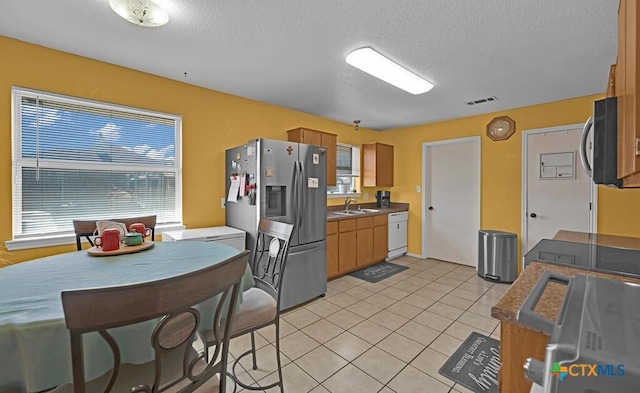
x=452, y=200
x=555, y=200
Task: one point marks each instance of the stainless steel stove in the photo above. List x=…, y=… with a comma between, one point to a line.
x=595, y=343
x=605, y=259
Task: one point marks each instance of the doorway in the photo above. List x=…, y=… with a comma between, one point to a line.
x=451, y=200
x=556, y=192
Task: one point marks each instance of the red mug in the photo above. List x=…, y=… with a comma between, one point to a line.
x=141, y=229
x=109, y=240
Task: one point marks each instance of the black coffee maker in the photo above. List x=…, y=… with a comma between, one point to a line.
x=383, y=198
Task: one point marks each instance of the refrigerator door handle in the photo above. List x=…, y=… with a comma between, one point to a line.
x=301, y=195
x=294, y=193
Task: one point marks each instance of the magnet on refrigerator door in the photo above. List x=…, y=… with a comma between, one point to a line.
x=234, y=189
x=243, y=184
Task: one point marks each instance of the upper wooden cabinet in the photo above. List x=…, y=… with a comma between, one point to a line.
x=377, y=165
x=319, y=138
x=611, y=85
x=625, y=87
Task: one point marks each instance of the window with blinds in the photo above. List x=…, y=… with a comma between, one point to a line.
x=347, y=171
x=81, y=159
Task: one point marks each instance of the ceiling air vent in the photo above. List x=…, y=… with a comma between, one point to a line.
x=482, y=100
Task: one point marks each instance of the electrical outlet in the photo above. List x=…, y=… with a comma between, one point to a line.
x=418, y=189
x=222, y=202
x=366, y=196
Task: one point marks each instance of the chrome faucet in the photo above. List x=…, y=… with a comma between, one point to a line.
x=347, y=202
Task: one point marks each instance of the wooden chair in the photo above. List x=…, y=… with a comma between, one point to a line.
x=87, y=228
x=261, y=304
x=176, y=366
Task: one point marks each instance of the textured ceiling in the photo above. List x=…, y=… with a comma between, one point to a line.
x=291, y=52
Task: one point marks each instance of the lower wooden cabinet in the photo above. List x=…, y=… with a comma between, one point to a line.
x=356, y=243
x=364, y=241
x=346, y=245
x=517, y=343
x=333, y=256
x=380, y=237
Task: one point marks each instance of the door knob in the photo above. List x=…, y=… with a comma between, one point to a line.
x=533, y=215
x=430, y=207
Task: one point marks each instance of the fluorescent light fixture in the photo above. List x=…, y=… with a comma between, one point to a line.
x=373, y=63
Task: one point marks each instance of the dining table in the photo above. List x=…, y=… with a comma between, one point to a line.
x=34, y=340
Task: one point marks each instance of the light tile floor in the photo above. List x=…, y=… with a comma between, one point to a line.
x=391, y=336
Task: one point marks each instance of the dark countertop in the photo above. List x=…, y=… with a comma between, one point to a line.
x=394, y=208
x=589, y=256
x=506, y=309
x=598, y=239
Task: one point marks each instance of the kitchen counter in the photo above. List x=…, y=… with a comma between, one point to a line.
x=359, y=240
x=394, y=208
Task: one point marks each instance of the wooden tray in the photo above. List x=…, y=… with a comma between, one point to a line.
x=124, y=249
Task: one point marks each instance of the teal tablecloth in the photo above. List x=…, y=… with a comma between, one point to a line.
x=34, y=340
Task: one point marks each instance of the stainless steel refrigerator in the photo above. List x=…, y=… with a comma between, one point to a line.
x=283, y=181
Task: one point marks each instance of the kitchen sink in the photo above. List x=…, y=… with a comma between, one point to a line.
x=356, y=212
x=350, y=212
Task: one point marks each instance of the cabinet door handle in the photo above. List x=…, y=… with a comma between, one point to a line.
x=637, y=146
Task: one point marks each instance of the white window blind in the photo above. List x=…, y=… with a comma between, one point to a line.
x=347, y=170
x=81, y=159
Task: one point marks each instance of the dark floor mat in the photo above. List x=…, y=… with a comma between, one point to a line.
x=378, y=272
x=475, y=364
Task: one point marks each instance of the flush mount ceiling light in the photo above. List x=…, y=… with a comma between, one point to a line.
x=373, y=63
x=140, y=12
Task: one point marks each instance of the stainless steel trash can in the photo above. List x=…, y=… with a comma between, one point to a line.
x=497, y=256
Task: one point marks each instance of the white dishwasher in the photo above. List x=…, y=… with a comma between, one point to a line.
x=397, y=234
x=225, y=235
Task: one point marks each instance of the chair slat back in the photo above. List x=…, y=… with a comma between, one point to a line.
x=87, y=228
x=270, y=254
x=170, y=303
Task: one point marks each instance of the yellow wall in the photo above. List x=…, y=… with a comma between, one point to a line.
x=214, y=121
x=618, y=210
x=211, y=122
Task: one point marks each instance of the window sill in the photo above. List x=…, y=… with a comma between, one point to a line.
x=61, y=240
x=344, y=195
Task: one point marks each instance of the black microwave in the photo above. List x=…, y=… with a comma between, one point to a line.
x=603, y=168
